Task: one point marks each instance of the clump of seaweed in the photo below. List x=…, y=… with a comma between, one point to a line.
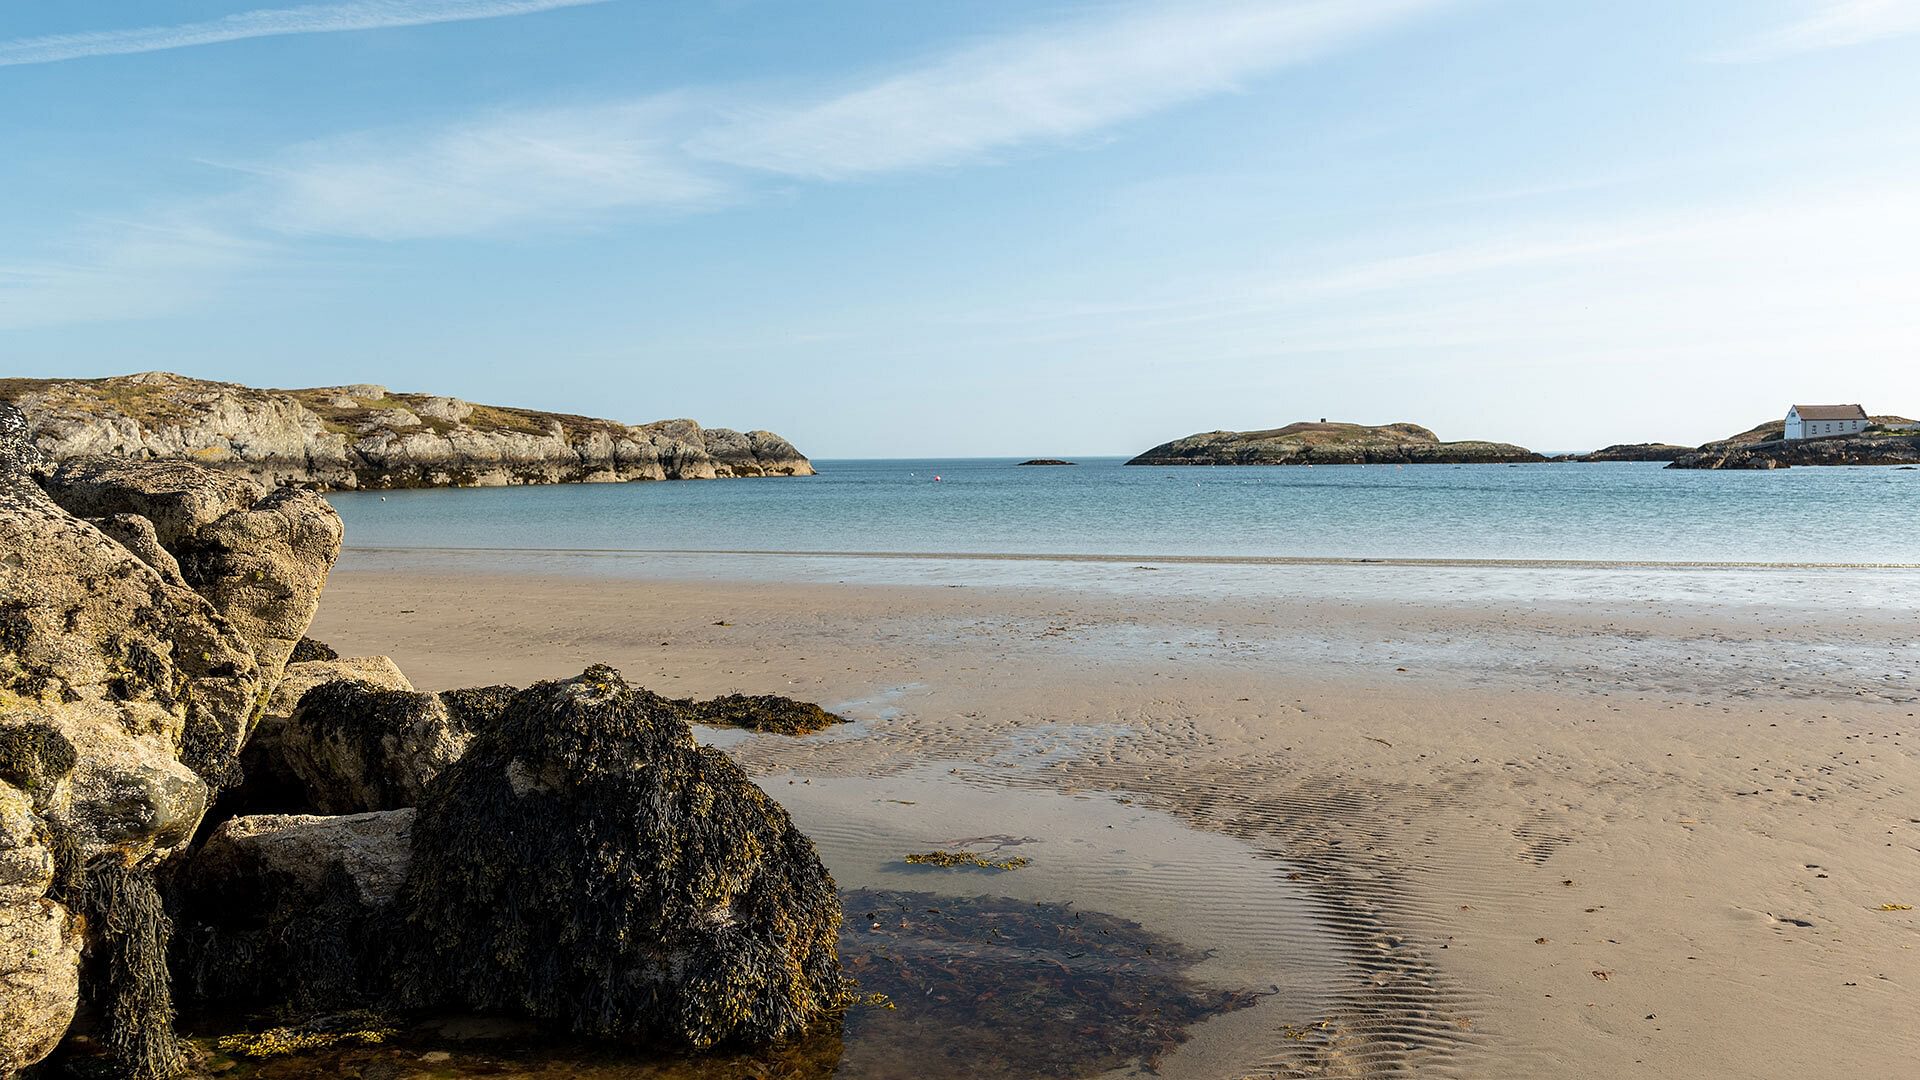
x=968, y=859
x=132, y=987
x=758, y=712
x=34, y=755
x=586, y=863
x=324, y=1033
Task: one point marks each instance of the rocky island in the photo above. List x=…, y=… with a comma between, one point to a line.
x=365, y=436
x=1890, y=440
x=1325, y=443
x=1636, y=452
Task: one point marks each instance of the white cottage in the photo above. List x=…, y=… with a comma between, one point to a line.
x=1820, y=421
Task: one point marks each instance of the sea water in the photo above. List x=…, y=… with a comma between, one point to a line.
x=1617, y=513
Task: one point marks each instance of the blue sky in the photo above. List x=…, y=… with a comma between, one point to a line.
x=982, y=228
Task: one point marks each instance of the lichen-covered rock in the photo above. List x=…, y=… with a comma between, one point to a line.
x=39, y=939
x=125, y=696
x=291, y=911
x=587, y=864
x=260, y=558
x=270, y=784
x=357, y=747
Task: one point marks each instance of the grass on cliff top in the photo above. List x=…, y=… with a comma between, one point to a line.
x=144, y=403
x=1322, y=433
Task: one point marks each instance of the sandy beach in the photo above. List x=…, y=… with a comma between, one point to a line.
x=1534, y=832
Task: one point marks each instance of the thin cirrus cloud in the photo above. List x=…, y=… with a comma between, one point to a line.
x=267, y=22
x=1062, y=81
x=1054, y=83
x=552, y=164
x=1830, y=24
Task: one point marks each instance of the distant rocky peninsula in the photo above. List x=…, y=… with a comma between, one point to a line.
x=365, y=436
x=1325, y=443
x=1046, y=461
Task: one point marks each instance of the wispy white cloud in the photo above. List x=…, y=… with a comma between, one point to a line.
x=1062, y=81
x=529, y=165
x=1830, y=24
x=267, y=22
x=1056, y=82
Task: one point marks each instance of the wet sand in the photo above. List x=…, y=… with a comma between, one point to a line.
x=1538, y=831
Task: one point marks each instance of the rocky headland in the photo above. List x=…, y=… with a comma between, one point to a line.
x=365, y=436
x=1325, y=443
x=199, y=805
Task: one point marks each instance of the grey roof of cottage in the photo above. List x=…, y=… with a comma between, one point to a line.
x=1830, y=412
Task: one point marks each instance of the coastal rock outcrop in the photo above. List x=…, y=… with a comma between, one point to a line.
x=365, y=436
x=584, y=864
x=1325, y=443
x=587, y=864
x=126, y=692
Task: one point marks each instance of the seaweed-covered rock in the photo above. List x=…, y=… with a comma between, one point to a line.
x=586, y=863
x=307, y=649
x=291, y=911
x=357, y=747
x=270, y=784
x=477, y=707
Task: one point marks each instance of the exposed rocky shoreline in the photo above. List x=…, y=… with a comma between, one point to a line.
x=1326, y=443
x=365, y=436
x=1849, y=450
x=198, y=805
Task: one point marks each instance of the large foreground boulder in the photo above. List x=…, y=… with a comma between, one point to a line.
x=125, y=696
x=587, y=864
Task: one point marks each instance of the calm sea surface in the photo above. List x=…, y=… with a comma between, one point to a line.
x=1614, y=512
